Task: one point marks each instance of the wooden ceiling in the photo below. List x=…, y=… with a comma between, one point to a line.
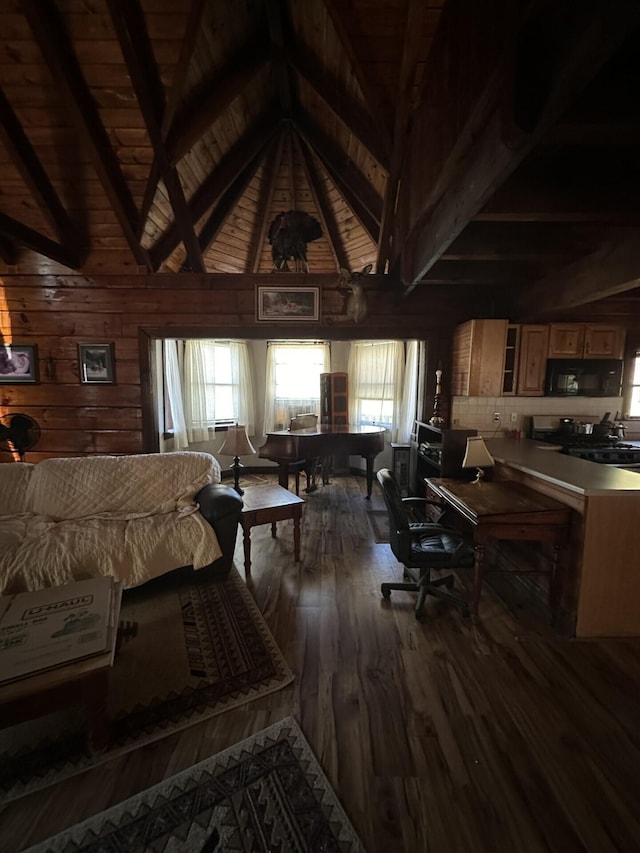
x=449, y=142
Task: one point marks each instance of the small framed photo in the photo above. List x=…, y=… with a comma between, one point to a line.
x=288, y=303
x=18, y=364
x=97, y=364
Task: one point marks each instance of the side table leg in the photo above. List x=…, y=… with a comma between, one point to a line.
x=247, y=550
x=478, y=570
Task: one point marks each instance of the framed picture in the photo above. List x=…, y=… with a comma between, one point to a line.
x=288, y=303
x=18, y=364
x=97, y=364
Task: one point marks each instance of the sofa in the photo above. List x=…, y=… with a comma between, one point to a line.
x=132, y=517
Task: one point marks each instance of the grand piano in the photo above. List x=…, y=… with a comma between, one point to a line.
x=286, y=446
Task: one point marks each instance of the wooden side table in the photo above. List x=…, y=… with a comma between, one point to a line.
x=267, y=505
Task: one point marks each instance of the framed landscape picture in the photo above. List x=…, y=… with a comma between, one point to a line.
x=18, y=364
x=288, y=303
x=97, y=364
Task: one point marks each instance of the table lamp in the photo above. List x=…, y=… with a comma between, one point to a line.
x=236, y=444
x=477, y=456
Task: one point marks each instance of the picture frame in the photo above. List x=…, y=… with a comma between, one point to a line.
x=288, y=304
x=97, y=364
x=19, y=364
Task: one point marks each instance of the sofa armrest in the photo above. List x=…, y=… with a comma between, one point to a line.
x=221, y=506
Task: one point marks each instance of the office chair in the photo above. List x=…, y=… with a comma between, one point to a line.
x=306, y=466
x=421, y=547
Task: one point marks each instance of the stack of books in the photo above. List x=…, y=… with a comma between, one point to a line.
x=53, y=627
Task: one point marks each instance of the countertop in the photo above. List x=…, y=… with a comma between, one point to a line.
x=576, y=475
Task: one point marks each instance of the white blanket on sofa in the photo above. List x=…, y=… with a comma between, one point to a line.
x=130, y=517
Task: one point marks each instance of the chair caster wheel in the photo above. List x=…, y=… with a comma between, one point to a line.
x=386, y=593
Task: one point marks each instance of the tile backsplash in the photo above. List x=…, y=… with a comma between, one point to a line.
x=478, y=412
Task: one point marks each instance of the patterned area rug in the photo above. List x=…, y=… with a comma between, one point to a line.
x=379, y=521
x=189, y=650
x=267, y=793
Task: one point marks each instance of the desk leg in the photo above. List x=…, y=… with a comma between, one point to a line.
x=478, y=571
x=273, y=529
x=554, y=591
x=296, y=537
x=247, y=550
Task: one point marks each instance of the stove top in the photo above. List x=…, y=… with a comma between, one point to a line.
x=608, y=451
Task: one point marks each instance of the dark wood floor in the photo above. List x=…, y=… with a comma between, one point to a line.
x=437, y=736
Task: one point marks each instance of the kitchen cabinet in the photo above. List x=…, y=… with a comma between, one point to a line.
x=585, y=340
x=511, y=361
x=478, y=360
x=532, y=363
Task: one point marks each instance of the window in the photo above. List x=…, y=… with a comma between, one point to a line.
x=383, y=385
x=293, y=380
x=634, y=400
x=208, y=383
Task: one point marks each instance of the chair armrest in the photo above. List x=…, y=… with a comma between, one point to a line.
x=415, y=507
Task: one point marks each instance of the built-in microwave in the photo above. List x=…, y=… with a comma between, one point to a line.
x=592, y=377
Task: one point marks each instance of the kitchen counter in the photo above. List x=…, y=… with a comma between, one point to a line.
x=575, y=475
x=601, y=595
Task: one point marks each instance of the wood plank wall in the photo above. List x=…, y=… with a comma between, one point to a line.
x=57, y=312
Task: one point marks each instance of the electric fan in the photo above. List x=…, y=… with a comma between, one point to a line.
x=18, y=433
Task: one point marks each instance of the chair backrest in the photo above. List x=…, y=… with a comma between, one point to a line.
x=306, y=421
x=399, y=535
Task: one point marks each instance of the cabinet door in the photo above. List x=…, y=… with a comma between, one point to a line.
x=478, y=358
x=534, y=344
x=566, y=340
x=602, y=341
x=511, y=356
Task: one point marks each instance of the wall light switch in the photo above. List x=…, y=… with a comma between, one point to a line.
x=514, y=417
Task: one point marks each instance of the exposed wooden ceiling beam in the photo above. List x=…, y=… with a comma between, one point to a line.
x=345, y=20
x=226, y=172
x=211, y=103
x=327, y=219
x=612, y=269
x=8, y=251
x=25, y=236
x=57, y=49
x=279, y=29
x=273, y=160
x=412, y=42
x=522, y=241
x=492, y=149
x=349, y=111
x=340, y=163
x=173, y=99
x=225, y=205
x=35, y=177
x=131, y=30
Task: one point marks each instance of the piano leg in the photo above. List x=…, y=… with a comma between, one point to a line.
x=283, y=474
x=369, y=460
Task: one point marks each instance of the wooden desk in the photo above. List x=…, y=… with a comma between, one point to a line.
x=508, y=510
x=268, y=505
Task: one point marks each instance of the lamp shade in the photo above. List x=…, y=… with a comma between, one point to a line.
x=476, y=454
x=236, y=442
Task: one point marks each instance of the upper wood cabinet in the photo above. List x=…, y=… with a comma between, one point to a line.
x=585, y=340
x=532, y=364
x=478, y=358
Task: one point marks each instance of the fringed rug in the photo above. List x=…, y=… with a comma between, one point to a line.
x=379, y=522
x=267, y=793
x=189, y=650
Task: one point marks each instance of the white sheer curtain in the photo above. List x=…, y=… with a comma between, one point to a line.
x=216, y=389
x=407, y=414
x=293, y=381
x=376, y=376
x=173, y=389
x=195, y=391
x=242, y=383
